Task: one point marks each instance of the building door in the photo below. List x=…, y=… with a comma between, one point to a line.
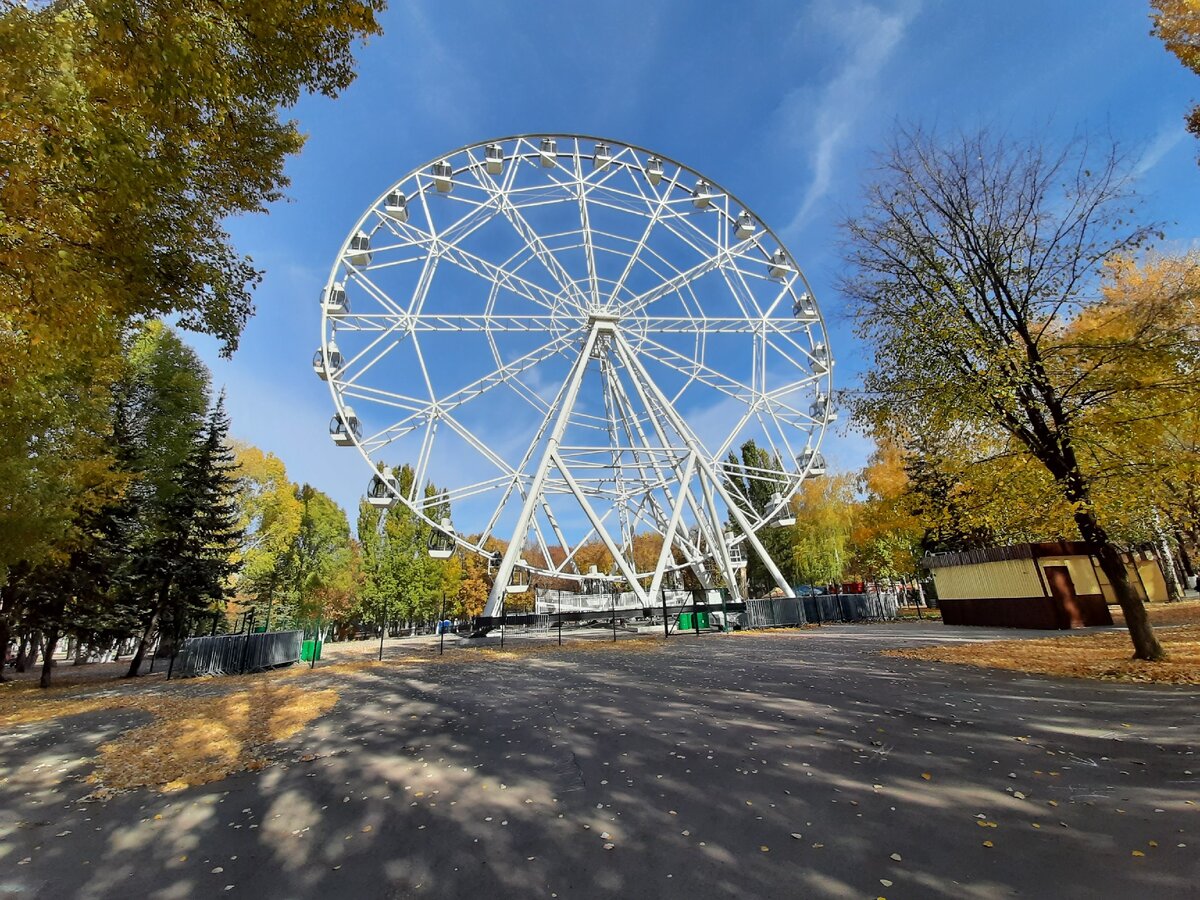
x=1066, y=604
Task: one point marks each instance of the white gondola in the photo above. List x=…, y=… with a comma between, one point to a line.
x=443, y=176
x=702, y=195
x=654, y=170
x=324, y=368
x=494, y=159
x=594, y=582
x=549, y=153
x=812, y=462
x=803, y=307
x=518, y=582
x=744, y=227
x=779, y=266
x=785, y=516
x=601, y=157
x=335, y=301
x=737, y=552
x=820, y=407
x=359, y=253
x=383, y=491
x=344, y=428
x=820, y=355
x=441, y=540
x=396, y=206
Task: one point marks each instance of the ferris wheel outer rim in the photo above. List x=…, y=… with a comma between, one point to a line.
x=825, y=378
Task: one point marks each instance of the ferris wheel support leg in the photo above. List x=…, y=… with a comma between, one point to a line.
x=567, y=401
x=680, y=426
x=727, y=569
x=672, y=527
x=609, y=544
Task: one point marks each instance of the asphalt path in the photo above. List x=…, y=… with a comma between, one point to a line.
x=798, y=764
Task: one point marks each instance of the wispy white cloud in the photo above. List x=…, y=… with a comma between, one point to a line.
x=1167, y=139
x=825, y=118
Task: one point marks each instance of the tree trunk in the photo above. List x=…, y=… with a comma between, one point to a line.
x=139, y=654
x=1184, y=556
x=22, y=654
x=135, y=664
x=48, y=657
x=4, y=637
x=1145, y=643
x=1166, y=561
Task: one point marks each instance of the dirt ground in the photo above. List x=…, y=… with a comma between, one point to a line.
x=1105, y=655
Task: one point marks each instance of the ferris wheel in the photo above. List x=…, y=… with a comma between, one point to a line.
x=573, y=338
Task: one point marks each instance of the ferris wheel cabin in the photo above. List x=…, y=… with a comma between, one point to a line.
x=383, y=490
x=443, y=176
x=344, y=428
x=441, y=541
x=326, y=367
x=493, y=156
x=812, y=463
x=335, y=301
x=360, y=250
x=396, y=206
x=654, y=170
x=601, y=157
x=744, y=227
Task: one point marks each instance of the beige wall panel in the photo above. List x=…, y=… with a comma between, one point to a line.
x=1152, y=578
x=1083, y=576
x=1008, y=578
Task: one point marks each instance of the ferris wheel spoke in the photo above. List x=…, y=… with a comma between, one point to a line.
x=659, y=207
x=589, y=251
x=687, y=276
x=696, y=370
x=473, y=390
x=489, y=271
x=531, y=237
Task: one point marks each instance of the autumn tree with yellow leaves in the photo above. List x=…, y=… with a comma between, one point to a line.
x=972, y=259
x=129, y=132
x=1177, y=24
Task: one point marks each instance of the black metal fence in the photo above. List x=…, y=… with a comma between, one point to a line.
x=232, y=654
x=820, y=609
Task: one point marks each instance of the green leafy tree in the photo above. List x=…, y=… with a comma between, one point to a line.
x=752, y=480
x=316, y=558
x=270, y=519
x=185, y=568
x=819, y=540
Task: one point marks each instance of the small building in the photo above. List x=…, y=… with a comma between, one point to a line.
x=1047, y=585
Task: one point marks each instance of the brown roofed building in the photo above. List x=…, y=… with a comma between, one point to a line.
x=1048, y=585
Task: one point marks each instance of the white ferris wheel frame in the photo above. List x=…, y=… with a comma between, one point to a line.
x=592, y=325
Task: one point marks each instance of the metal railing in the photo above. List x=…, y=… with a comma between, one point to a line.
x=820, y=609
x=232, y=654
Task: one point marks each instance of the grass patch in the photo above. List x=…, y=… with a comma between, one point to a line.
x=1099, y=656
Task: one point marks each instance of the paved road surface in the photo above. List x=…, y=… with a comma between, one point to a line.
x=794, y=765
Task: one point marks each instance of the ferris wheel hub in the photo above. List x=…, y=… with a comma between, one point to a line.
x=604, y=317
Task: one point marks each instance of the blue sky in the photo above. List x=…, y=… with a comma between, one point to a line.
x=781, y=102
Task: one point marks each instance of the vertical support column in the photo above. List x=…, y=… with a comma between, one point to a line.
x=571, y=391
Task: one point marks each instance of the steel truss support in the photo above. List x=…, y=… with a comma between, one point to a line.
x=694, y=465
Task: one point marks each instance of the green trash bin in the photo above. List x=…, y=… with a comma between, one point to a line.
x=307, y=649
